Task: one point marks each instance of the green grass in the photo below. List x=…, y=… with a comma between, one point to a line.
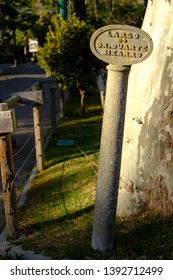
x=58, y=214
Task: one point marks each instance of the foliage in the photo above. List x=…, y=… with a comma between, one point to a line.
x=66, y=54
x=31, y=19
x=103, y=12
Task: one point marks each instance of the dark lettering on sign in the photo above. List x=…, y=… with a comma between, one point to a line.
x=121, y=44
x=122, y=34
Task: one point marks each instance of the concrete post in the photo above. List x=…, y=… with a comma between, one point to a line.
x=110, y=157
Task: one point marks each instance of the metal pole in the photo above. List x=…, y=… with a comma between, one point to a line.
x=63, y=8
x=110, y=157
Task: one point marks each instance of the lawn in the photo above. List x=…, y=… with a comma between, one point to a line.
x=57, y=217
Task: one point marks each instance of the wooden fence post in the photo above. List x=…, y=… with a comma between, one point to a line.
x=39, y=139
x=8, y=125
x=7, y=173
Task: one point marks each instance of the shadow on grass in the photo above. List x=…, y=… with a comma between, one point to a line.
x=146, y=237
x=73, y=179
x=66, y=218
x=69, y=237
x=62, y=202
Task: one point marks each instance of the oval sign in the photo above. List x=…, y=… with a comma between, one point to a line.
x=121, y=44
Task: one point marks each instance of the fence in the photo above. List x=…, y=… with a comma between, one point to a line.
x=8, y=125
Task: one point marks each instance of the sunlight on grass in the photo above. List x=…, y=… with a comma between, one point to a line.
x=63, y=195
x=63, y=189
x=58, y=214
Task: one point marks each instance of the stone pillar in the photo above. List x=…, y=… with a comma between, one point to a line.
x=110, y=157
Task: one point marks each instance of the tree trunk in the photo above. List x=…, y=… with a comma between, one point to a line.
x=79, y=8
x=15, y=48
x=61, y=100
x=147, y=158
x=82, y=101
x=95, y=10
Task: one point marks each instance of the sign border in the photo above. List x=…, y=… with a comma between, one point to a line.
x=120, y=27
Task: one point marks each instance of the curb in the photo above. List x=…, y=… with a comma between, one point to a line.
x=10, y=251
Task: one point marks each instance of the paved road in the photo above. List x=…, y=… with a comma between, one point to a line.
x=15, y=79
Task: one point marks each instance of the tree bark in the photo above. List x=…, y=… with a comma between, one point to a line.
x=79, y=7
x=82, y=101
x=61, y=100
x=147, y=158
x=95, y=10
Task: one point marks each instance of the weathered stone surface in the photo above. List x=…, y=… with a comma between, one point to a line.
x=110, y=158
x=121, y=44
x=5, y=246
x=17, y=252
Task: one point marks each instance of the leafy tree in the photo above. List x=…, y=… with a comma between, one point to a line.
x=33, y=18
x=8, y=23
x=29, y=19
x=103, y=12
x=66, y=53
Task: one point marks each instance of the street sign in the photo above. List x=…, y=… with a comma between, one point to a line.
x=33, y=45
x=121, y=44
